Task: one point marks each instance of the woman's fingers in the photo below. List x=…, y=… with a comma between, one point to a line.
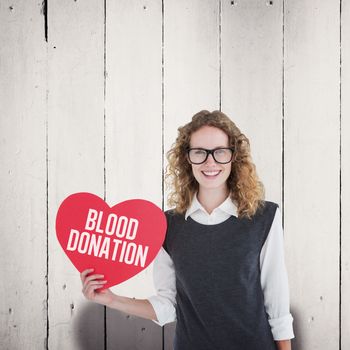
x=84, y=278
x=94, y=283
x=90, y=287
x=84, y=273
x=92, y=277
x=91, y=283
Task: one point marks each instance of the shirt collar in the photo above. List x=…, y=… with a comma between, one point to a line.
x=227, y=206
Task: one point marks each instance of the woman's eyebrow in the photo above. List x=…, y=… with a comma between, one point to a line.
x=209, y=148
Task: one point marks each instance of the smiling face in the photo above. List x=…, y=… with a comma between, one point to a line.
x=210, y=175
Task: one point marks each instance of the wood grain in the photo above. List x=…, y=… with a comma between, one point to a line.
x=312, y=170
x=134, y=141
x=23, y=176
x=345, y=176
x=76, y=157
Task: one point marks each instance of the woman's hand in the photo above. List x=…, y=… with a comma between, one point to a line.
x=137, y=307
x=91, y=286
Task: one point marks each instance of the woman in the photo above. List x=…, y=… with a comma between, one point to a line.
x=221, y=271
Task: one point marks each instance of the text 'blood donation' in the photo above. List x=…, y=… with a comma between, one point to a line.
x=117, y=242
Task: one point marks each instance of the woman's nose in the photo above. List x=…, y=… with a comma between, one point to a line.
x=210, y=159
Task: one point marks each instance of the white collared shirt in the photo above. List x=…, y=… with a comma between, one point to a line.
x=273, y=277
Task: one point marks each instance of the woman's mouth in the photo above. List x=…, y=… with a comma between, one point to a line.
x=211, y=174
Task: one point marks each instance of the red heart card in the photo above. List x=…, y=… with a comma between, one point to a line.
x=118, y=242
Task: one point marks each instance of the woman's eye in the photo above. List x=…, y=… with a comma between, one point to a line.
x=220, y=151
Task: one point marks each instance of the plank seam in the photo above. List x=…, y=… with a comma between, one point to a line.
x=44, y=13
x=220, y=71
x=162, y=104
x=340, y=173
x=104, y=149
x=283, y=110
x=162, y=53
x=47, y=205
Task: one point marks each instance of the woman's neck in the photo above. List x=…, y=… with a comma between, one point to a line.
x=212, y=198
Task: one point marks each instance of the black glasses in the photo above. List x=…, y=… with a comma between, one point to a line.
x=220, y=155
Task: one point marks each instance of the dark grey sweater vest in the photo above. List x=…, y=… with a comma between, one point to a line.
x=220, y=304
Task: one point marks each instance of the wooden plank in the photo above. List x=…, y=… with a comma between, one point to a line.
x=345, y=175
x=191, y=62
x=251, y=40
x=134, y=141
x=76, y=157
x=191, y=72
x=312, y=170
x=23, y=176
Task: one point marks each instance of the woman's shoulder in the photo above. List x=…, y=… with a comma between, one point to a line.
x=271, y=204
x=172, y=215
x=169, y=211
x=267, y=207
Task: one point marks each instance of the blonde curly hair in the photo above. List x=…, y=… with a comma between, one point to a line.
x=246, y=191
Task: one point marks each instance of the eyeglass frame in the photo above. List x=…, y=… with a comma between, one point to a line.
x=210, y=151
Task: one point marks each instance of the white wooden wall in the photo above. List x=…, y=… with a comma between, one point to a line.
x=91, y=96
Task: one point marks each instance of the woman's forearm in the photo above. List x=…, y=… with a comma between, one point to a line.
x=137, y=307
x=283, y=344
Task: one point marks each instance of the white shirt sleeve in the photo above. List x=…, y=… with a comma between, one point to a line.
x=165, y=284
x=274, y=282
